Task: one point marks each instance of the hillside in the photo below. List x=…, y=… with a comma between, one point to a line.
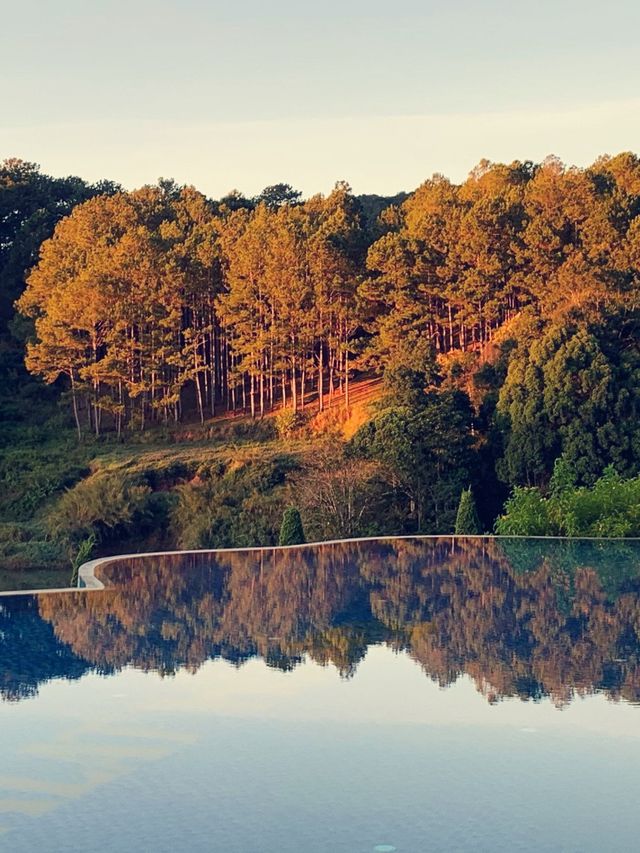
x=41, y=468
x=177, y=371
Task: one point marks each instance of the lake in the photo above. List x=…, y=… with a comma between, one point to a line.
x=401, y=695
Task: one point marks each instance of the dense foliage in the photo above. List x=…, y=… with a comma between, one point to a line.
x=140, y=294
x=31, y=204
x=572, y=389
x=611, y=507
x=427, y=453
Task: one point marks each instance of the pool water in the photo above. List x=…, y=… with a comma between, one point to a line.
x=391, y=695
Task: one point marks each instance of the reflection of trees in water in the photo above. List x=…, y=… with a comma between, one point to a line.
x=522, y=619
x=30, y=654
x=552, y=630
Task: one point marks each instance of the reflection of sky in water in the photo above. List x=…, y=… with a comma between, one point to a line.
x=253, y=759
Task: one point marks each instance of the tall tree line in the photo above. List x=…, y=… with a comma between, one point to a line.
x=155, y=301
x=31, y=204
x=141, y=299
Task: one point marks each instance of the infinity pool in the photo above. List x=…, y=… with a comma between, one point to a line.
x=391, y=695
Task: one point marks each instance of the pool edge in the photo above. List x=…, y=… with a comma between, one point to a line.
x=88, y=582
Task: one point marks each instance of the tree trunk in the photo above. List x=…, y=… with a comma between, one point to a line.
x=198, y=388
x=75, y=405
x=346, y=380
x=321, y=376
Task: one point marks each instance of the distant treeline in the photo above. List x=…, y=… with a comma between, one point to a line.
x=153, y=303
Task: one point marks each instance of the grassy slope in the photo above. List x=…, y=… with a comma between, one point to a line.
x=38, y=465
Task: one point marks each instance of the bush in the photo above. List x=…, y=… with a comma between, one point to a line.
x=105, y=505
x=31, y=476
x=610, y=508
x=251, y=431
x=167, y=473
x=287, y=422
x=25, y=547
x=85, y=549
x=291, y=530
x=196, y=516
x=467, y=521
x=526, y=513
x=225, y=431
x=240, y=508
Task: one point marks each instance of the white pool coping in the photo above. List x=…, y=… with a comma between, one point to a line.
x=88, y=582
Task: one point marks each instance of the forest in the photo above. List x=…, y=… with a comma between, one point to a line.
x=494, y=321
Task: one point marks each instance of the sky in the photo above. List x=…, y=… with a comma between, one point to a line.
x=245, y=94
x=63, y=747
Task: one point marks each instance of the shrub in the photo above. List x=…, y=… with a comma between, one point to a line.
x=287, y=422
x=104, y=505
x=467, y=521
x=196, y=516
x=25, y=547
x=241, y=508
x=291, y=531
x=610, y=508
x=85, y=548
x=29, y=477
x=526, y=513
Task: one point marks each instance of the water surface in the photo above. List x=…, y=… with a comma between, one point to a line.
x=469, y=694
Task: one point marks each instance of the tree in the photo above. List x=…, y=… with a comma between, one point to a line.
x=31, y=204
x=427, y=454
x=340, y=494
x=572, y=390
x=291, y=531
x=122, y=300
x=151, y=305
x=278, y=195
x=467, y=521
x=409, y=374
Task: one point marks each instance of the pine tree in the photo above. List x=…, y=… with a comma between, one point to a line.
x=467, y=521
x=152, y=302
x=291, y=531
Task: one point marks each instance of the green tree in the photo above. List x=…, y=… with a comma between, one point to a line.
x=291, y=531
x=427, y=453
x=467, y=521
x=278, y=195
x=571, y=390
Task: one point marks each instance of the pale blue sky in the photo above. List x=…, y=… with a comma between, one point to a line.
x=247, y=93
